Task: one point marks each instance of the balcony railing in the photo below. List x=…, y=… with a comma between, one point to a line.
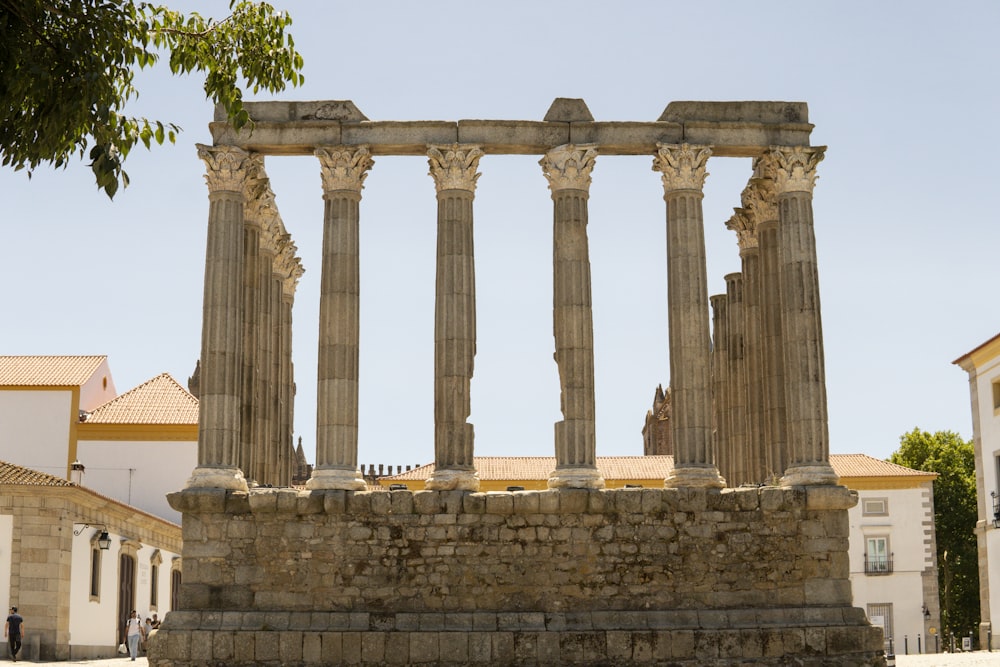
x=877, y=566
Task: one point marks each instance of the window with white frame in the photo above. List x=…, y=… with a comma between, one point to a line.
x=878, y=558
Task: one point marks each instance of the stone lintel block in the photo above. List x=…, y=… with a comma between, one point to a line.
x=431, y=622
x=458, y=621
x=309, y=503
x=389, y=137
x=567, y=110
x=276, y=620
x=484, y=621
x=626, y=137
x=407, y=622
x=739, y=139
x=424, y=647
x=263, y=501
x=573, y=501
x=500, y=503
x=579, y=620
x=427, y=502
x=344, y=111
x=359, y=620
x=274, y=138
x=299, y=620
x=359, y=503
x=745, y=111
x=830, y=498
x=512, y=136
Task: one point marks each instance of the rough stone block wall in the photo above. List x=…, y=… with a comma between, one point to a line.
x=625, y=576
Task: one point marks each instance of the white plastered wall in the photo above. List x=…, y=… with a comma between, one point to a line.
x=35, y=428
x=989, y=434
x=6, y=561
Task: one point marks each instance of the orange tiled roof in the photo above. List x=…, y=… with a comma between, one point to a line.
x=48, y=371
x=492, y=468
x=13, y=474
x=862, y=465
x=158, y=401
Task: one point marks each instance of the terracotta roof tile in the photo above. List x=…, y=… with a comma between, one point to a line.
x=48, y=371
x=158, y=401
x=491, y=468
x=16, y=475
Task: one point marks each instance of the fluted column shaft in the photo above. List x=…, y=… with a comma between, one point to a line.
x=802, y=329
x=753, y=356
x=720, y=381
x=344, y=173
x=261, y=208
x=683, y=172
x=265, y=348
x=228, y=171
x=567, y=169
x=286, y=391
x=737, y=386
x=454, y=171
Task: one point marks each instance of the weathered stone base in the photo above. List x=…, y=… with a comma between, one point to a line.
x=683, y=576
x=823, y=636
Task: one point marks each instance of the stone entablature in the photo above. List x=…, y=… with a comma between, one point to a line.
x=772, y=562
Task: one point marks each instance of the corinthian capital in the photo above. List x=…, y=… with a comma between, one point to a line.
x=682, y=166
x=260, y=204
x=454, y=167
x=745, y=227
x=568, y=167
x=795, y=167
x=760, y=200
x=344, y=167
x=228, y=168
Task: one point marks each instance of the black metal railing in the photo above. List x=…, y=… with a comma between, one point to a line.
x=875, y=566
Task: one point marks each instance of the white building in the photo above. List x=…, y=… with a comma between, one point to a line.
x=135, y=448
x=893, y=551
x=983, y=366
x=76, y=562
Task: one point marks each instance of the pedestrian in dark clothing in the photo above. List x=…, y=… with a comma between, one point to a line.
x=13, y=630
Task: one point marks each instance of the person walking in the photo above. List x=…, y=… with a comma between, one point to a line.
x=13, y=630
x=133, y=633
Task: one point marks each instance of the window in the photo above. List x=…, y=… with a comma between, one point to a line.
x=154, y=579
x=878, y=558
x=880, y=614
x=875, y=507
x=95, y=573
x=996, y=395
x=175, y=583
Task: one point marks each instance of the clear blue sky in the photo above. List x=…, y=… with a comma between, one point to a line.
x=904, y=95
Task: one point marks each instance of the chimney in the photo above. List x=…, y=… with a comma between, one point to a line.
x=76, y=473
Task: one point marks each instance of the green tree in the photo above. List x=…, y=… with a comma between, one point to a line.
x=67, y=69
x=955, y=517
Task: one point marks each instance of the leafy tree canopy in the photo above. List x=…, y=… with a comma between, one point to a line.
x=67, y=68
x=955, y=516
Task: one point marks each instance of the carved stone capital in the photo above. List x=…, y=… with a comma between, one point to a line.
x=745, y=226
x=260, y=204
x=271, y=232
x=228, y=168
x=568, y=167
x=682, y=166
x=795, y=167
x=760, y=200
x=344, y=167
x=454, y=167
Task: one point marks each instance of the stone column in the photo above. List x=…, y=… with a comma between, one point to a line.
x=454, y=171
x=744, y=224
x=228, y=172
x=683, y=171
x=261, y=456
x=344, y=170
x=760, y=199
x=260, y=208
x=720, y=381
x=291, y=272
x=737, y=386
x=801, y=324
x=568, y=170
